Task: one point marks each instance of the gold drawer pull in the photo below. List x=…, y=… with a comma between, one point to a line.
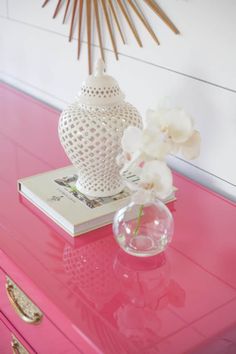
x=17, y=347
x=22, y=305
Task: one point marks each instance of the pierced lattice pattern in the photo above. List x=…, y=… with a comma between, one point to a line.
x=91, y=138
x=90, y=267
x=100, y=92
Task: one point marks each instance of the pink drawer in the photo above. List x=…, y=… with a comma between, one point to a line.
x=30, y=321
x=11, y=341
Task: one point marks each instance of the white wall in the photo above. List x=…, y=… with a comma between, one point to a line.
x=197, y=69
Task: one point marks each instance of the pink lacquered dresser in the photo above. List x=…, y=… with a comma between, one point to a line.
x=60, y=296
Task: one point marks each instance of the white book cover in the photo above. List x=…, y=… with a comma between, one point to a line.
x=55, y=194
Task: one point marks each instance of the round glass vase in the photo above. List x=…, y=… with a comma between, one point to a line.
x=143, y=230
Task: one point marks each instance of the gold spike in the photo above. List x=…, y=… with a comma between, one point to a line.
x=72, y=20
x=45, y=3
x=66, y=10
x=144, y=21
x=80, y=26
x=57, y=8
x=99, y=29
x=130, y=23
x=110, y=29
x=116, y=20
x=88, y=13
x=156, y=8
x=111, y=12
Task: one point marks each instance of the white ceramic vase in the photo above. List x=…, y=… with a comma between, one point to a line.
x=90, y=131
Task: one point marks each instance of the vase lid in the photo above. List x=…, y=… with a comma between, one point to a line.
x=100, y=89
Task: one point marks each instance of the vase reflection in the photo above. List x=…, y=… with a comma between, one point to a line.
x=148, y=290
x=134, y=298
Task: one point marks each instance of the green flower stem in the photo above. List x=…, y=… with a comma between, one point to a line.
x=136, y=230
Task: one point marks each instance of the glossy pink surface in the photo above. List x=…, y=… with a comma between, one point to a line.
x=40, y=335
x=6, y=335
x=102, y=300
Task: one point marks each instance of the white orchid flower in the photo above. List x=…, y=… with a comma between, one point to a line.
x=177, y=124
x=136, y=142
x=155, y=181
x=167, y=130
x=178, y=128
x=156, y=175
x=131, y=143
x=121, y=159
x=155, y=145
x=153, y=117
x=174, y=122
x=132, y=139
x=191, y=148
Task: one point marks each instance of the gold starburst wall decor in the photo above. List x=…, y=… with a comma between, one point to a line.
x=92, y=12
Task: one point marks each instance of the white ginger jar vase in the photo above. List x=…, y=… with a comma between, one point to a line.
x=90, y=131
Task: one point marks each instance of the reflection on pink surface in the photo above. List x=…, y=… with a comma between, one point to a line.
x=90, y=267
x=103, y=300
x=148, y=289
x=144, y=280
x=132, y=294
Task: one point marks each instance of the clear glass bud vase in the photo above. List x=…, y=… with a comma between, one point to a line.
x=143, y=230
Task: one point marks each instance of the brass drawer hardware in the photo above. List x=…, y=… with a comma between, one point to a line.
x=17, y=347
x=22, y=305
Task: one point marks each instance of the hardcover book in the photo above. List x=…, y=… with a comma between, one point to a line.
x=55, y=194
